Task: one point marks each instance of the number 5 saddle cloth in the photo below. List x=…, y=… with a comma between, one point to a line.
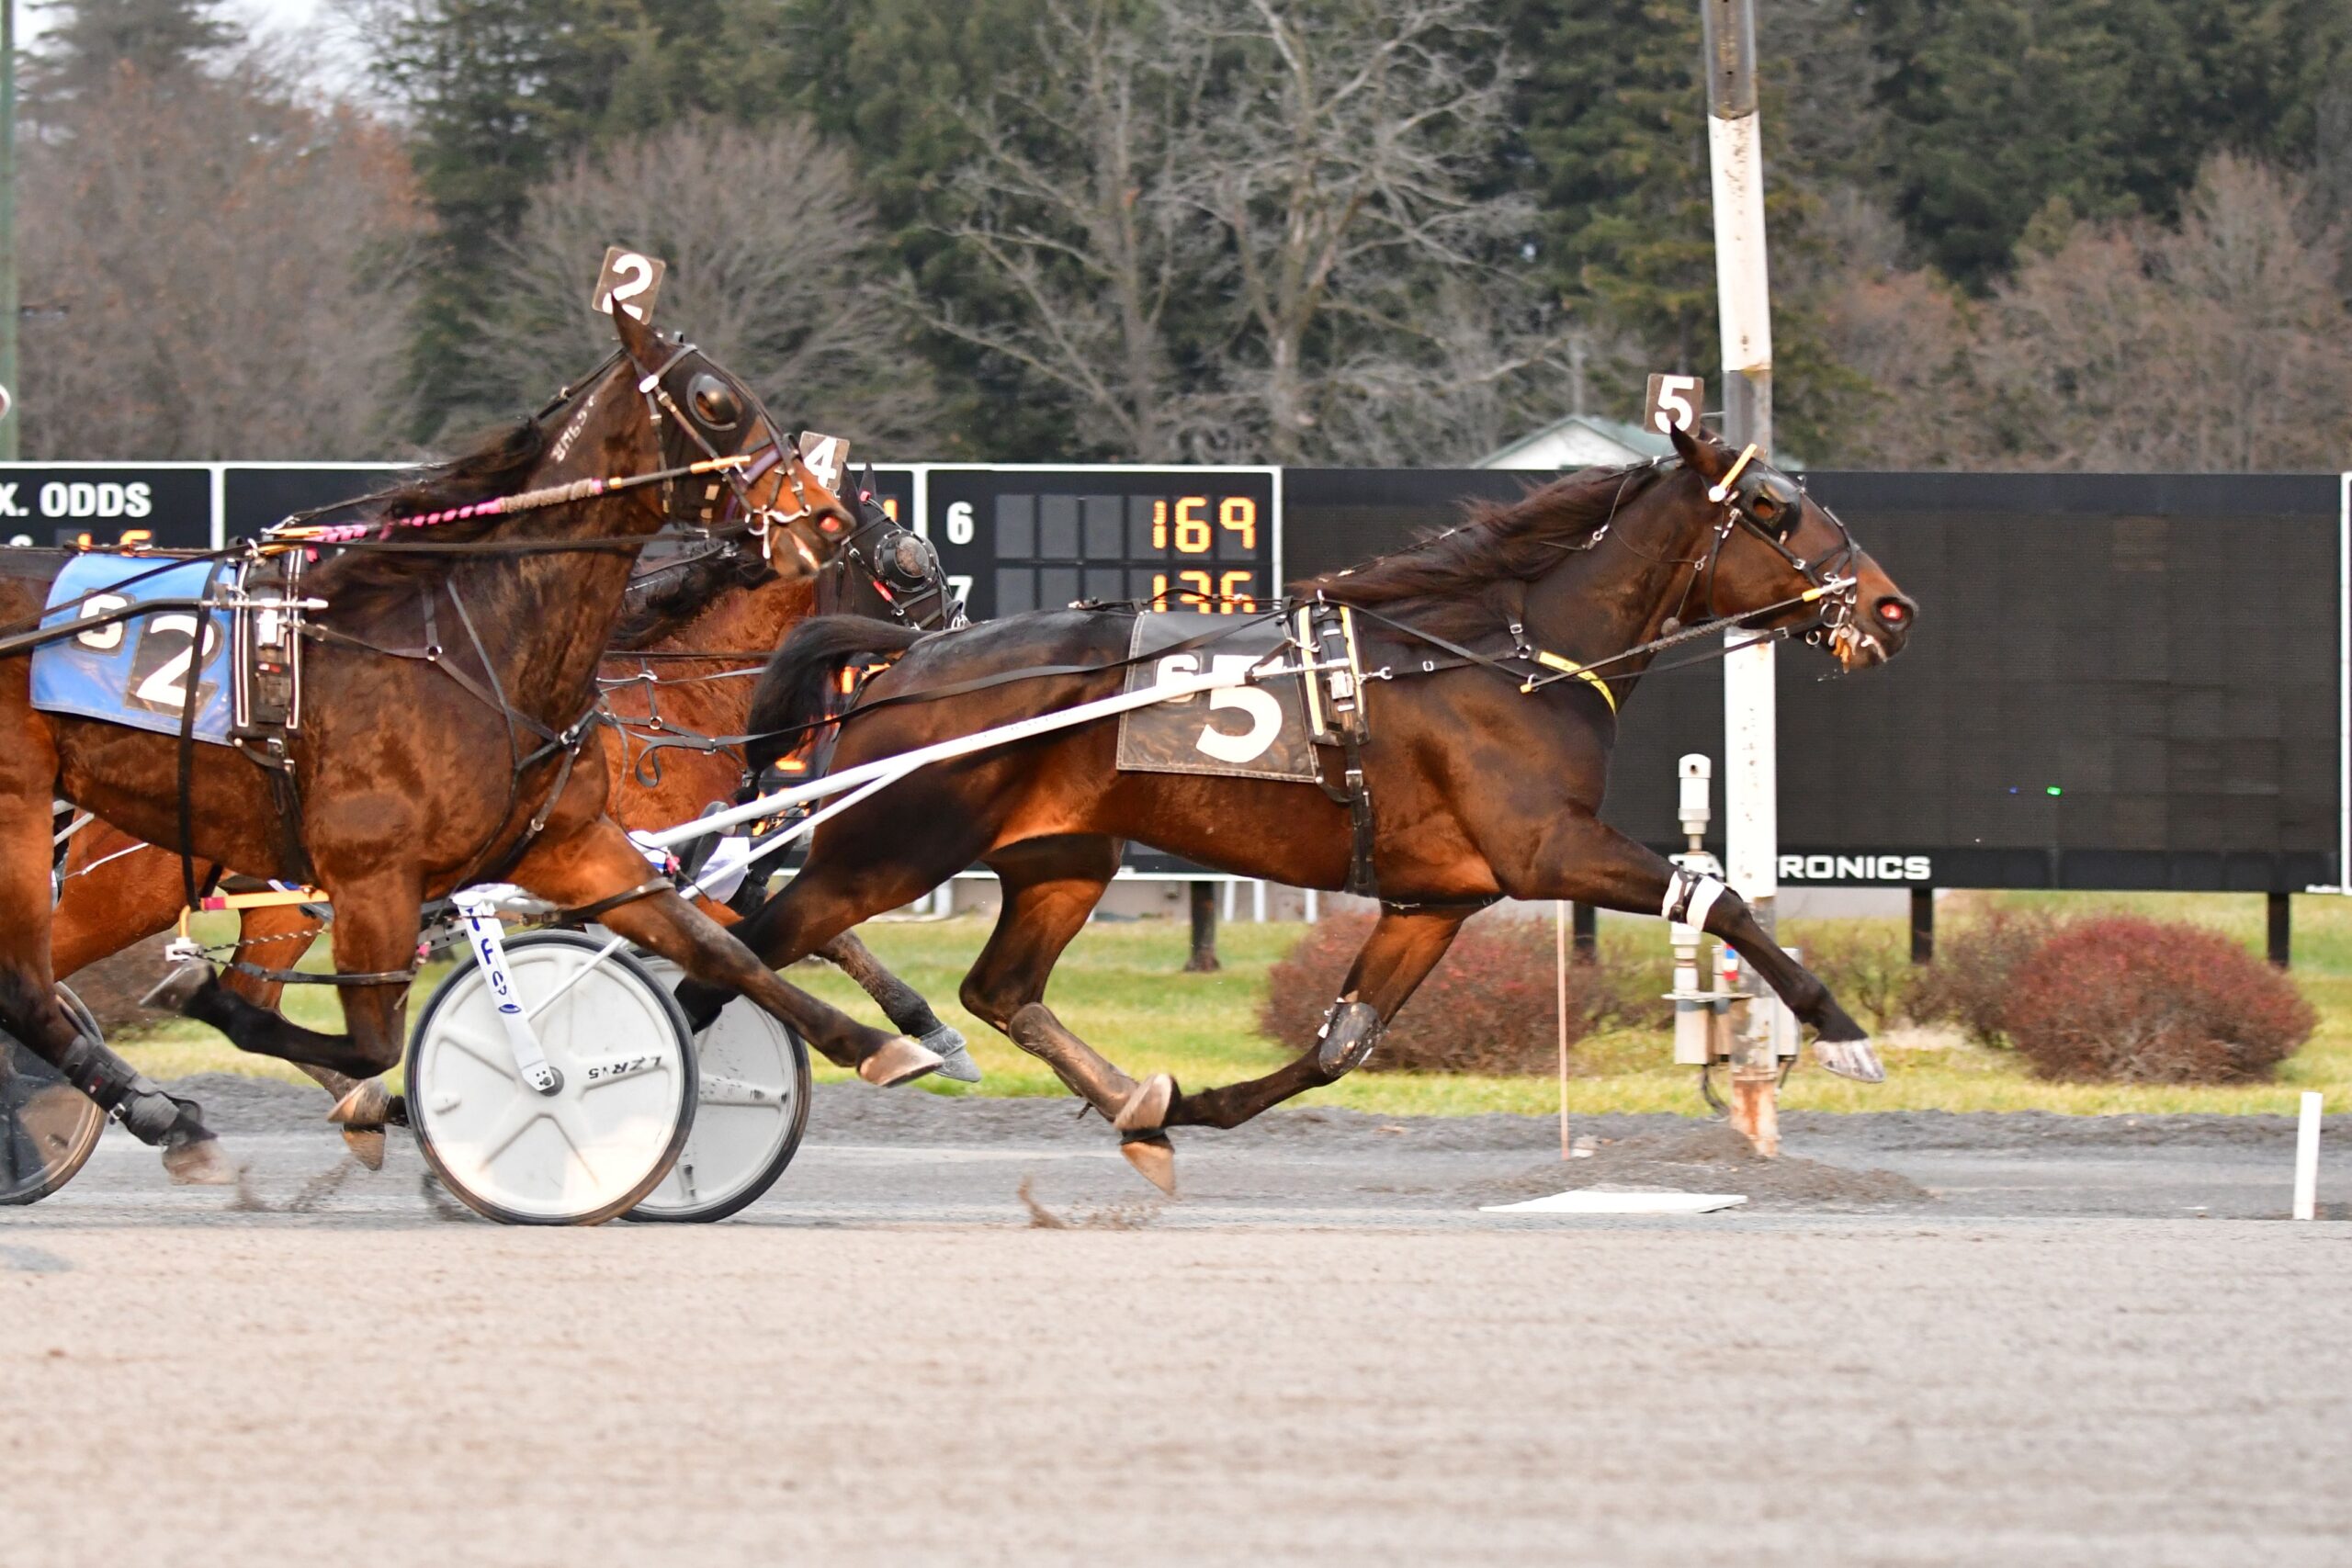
x=1266, y=729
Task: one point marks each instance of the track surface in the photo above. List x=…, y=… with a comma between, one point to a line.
x=1323, y=1350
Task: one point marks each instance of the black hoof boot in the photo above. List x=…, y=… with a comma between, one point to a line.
x=1347, y=1037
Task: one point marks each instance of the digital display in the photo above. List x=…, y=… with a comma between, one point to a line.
x=2117, y=681
x=1012, y=540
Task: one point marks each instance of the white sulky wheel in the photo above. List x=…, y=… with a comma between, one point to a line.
x=47, y=1128
x=619, y=1115
x=754, y=1073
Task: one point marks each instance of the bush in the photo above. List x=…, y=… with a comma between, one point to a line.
x=2123, y=999
x=1976, y=966
x=1489, y=1007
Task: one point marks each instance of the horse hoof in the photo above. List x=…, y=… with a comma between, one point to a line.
x=1849, y=1059
x=368, y=1104
x=180, y=987
x=1146, y=1109
x=956, y=1062
x=899, y=1061
x=1154, y=1158
x=366, y=1146
x=198, y=1163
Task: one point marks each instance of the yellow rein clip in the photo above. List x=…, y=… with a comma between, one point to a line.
x=1719, y=493
x=1570, y=667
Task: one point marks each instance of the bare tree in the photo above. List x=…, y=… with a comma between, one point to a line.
x=2220, y=346
x=1340, y=167
x=1238, y=230
x=1071, y=208
x=772, y=269
x=216, y=271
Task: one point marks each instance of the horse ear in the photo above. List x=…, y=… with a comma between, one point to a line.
x=636, y=337
x=1706, y=456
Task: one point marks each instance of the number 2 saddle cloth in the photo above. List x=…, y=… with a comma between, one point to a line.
x=1267, y=730
x=235, y=657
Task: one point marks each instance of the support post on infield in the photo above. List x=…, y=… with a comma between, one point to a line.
x=1742, y=298
x=1923, y=925
x=2282, y=930
x=1585, y=931
x=1202, y=958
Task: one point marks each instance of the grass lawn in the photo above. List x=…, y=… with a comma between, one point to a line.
x=1120, y=985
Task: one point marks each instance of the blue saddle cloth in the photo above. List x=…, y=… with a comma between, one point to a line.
x=135, y=671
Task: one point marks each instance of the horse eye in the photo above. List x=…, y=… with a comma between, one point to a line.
x=714, y=401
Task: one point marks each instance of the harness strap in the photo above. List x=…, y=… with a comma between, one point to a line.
x=587, y=912
x=302, y=977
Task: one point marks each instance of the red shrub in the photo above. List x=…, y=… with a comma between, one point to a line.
x=1490, y=1007
x=2123, y=999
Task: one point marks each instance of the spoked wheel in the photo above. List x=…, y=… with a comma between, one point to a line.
x=619, y=1114
x=47, y=1128
x=754, y=1073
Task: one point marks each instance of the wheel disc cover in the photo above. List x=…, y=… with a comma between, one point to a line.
x=584, y=1150
x=47, y=1126
x=749, y=1076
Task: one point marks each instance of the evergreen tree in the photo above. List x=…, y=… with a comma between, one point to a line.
x=87, y=40
x=2003, y=107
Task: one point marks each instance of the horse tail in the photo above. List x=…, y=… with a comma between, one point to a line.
x=794, y=694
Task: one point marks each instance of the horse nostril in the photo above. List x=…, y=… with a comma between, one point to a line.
x=1894, y=614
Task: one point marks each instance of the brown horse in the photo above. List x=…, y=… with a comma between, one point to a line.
x=692, y=635
x=1485, y=772
x=446, y=689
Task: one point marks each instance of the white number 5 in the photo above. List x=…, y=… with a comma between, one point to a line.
x=1265, y=714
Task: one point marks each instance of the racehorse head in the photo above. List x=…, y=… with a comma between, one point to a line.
x=1781, y=553
x=696, y=409
x=888, y=572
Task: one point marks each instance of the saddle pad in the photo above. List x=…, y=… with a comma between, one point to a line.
x=1244, y=732
x=134, y=671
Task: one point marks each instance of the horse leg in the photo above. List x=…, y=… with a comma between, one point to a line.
x=1404, y=945
x=1050, y=887
x=375, y=932
x=904, y=1006
x=1584, y=859
x=28, y=1006
x=598, y=861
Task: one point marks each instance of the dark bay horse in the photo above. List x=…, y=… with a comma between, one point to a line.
x=1482, y=787
x=445, y=691
x=693, y=634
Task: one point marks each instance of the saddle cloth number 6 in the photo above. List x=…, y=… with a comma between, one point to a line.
x=1265, y=714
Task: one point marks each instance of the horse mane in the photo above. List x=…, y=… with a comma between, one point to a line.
x=664, y=599
x=496, y=464
x=1455, y=578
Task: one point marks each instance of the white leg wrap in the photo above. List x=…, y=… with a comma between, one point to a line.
x=1702, y=898
x=1688, y=895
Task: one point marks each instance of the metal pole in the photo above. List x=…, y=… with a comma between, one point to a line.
x=14, y=416
x=1742, y=296
x=1560, y=985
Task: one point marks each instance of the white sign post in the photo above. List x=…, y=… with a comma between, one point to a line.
x=1751, y=782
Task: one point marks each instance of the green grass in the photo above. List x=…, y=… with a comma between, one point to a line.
x=1121, y=987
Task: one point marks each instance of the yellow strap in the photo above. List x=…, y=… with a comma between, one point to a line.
x=1722, y=491
x=1570, y=667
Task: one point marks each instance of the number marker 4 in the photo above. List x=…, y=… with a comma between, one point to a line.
x=629, y=280
x=1673, y=402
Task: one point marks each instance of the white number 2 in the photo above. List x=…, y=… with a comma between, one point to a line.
x=1265, y=714
x=167, y=687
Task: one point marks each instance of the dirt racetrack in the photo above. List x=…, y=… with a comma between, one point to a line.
x=2014, y=1345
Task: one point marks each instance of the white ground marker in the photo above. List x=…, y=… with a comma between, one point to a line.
x=2307, y=1157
